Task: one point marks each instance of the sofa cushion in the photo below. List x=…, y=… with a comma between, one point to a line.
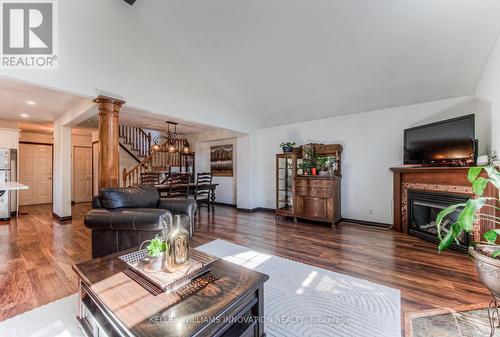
x=132, y=197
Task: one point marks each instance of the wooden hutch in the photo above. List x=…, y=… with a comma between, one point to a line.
x=299, y=194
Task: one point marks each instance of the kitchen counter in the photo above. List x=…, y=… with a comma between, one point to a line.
x=13, y=186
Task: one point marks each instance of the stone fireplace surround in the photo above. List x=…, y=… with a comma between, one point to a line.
x=451, y=180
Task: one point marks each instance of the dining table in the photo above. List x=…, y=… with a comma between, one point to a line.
x=165, y=188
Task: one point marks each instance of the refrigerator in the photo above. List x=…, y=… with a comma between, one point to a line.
x=8, y=172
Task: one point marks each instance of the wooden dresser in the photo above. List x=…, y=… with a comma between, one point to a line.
x=317, y=198
x=302, y=195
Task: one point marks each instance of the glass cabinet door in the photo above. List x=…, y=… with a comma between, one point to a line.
x=285, y=176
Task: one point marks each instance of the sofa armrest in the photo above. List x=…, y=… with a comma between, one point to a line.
x=123, y=219
x=178, y=206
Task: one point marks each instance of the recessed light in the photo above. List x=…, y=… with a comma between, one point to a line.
x=25, y=115
x=30, y=102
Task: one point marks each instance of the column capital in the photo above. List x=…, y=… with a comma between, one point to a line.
x=101, y=99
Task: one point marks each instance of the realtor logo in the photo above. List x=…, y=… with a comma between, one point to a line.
x=28, y=34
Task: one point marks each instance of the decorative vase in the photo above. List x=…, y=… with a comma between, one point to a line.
x=313, y=171
x=488, y=268
x=287, y=149
x=177, y=243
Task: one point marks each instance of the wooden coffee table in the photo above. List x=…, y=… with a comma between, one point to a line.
x=227, y=301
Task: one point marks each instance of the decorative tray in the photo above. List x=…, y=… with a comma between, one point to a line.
x=198, y=264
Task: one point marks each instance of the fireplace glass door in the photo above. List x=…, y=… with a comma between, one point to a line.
x=423, y=210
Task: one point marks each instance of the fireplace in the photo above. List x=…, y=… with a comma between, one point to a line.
x=423, y=208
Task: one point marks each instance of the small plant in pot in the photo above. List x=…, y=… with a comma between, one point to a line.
x=486, y=254
x=323, y=163
x=287, y=147
x=156, y=257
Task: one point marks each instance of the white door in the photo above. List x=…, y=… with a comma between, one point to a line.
x=35, y=170
x=82, y=167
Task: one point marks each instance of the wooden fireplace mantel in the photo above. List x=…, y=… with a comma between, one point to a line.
x=451, y=180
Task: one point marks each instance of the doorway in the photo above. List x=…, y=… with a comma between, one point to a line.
x=82, y=174
x=35, y=171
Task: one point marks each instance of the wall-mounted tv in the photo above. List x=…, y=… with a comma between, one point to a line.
x=448, y=142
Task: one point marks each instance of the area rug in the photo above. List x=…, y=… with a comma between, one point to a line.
x=470, y=323
x=300, y=300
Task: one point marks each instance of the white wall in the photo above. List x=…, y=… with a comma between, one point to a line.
x=488, y=95
x=372, y=141
x=226, y=192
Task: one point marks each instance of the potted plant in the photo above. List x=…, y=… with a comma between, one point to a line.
x=287, y=147
x=322, y=164
x=304, y=166
x=486, y=254
x=156, y=257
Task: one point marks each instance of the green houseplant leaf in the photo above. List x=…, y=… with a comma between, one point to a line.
x=491, y=236
x=468, y=214
x=479, y=185
x=451, y=236
x=471, y=210
x=473, y=173
x=439, y=219
x=493, y=175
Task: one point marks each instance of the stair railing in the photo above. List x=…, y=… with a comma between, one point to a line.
x=137, y=139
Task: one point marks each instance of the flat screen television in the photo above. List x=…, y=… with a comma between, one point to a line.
x=450, y=142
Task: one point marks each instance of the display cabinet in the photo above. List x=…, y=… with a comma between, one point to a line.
x=308, y=183
x=286, y=168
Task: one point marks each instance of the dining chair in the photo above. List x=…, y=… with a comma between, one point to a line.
x=179, y=185
x=150, y=178
x=203, y=190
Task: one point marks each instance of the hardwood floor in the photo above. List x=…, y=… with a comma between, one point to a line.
x=37, y=252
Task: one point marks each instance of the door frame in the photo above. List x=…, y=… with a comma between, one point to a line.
x=73, y=169
x=19, y=162
x=94, y=143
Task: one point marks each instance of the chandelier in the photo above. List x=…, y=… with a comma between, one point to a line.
x=171, y=141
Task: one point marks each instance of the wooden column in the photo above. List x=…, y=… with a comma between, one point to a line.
x=109, y=141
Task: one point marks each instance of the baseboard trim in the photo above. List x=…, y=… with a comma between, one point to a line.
x=367, y=223
x=224, y=204
x=257, y=209
x=62, y=218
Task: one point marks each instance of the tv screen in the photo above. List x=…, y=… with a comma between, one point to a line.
x=447, y=142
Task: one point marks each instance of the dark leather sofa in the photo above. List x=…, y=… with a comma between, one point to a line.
x=123, y=218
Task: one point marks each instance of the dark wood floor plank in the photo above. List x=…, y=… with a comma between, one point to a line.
x=37, y=252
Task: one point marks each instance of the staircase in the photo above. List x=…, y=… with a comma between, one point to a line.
x=135, y=141
x=137, y=144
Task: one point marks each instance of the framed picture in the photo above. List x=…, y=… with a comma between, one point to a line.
x=221, y=160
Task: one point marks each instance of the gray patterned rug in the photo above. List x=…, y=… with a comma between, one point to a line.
x=300, y=300
x=459, y=324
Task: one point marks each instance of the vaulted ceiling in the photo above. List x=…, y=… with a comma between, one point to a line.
x=284, y=61
x=245, y=64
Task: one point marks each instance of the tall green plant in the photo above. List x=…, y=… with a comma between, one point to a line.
x=472, y=210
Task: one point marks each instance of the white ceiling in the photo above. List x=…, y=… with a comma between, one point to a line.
x=48, y=103
x=284, y=61
x=149, y=121
x=152, y=121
